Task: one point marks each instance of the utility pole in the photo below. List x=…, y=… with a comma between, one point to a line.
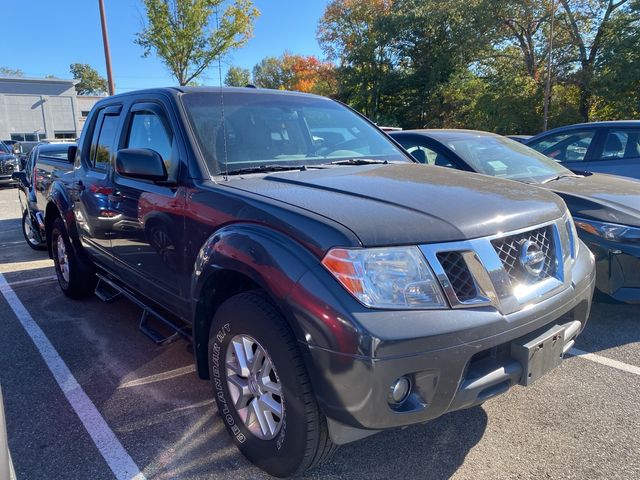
x=547, y=87
x=107, y=53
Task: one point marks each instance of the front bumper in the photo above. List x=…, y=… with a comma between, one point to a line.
x=455, y=359
x=617, y=267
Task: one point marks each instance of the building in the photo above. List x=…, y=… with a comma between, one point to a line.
x=33, y=109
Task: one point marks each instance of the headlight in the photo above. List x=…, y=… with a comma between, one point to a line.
x=610, y=231
x=394, y=277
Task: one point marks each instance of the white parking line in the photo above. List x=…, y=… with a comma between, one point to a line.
x=19, y=266
x=17, y=283
x=625, y=367
x=158, y=377
x=119, y=461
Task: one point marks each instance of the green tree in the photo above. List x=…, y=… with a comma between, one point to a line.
x=271, y=72
x=89, y=80
x=188, y=35
x=237, y=77
x=587, y=22
x=11, y=72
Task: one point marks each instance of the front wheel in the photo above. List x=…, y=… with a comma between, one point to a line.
x=262, y=389
x=76, y=279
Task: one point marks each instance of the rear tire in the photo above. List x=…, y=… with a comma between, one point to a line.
x=298, y=438
x=31, y=235
x=76, y=279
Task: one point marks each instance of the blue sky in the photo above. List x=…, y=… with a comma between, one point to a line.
x=42, y=37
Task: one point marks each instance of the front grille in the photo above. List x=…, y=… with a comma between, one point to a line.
x=6, y=168
x=458, y=274
x=509, y=247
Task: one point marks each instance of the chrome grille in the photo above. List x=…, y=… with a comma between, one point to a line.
x=508, y=249
x=459, y=275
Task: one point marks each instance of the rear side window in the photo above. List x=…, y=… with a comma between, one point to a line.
x=104, y=139
x=567, y=146
x=150, y=131
x=622, y=143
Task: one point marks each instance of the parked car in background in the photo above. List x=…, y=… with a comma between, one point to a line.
x=519, y=138
x=605, y=147
x=6, y=465
x=606, y=208
x=8, y=164
x=45, y=164
x=331, y=287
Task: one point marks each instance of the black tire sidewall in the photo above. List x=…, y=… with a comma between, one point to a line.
x=282, y=455
x=59, y=233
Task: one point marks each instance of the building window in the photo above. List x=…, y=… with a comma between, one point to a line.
x=85, y=113
x=64, y=135
x=28, y=137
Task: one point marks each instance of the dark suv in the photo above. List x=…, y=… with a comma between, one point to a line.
x=331, y=288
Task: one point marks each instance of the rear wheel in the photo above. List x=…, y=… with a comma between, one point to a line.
x=76, y=279
x=262, y=389
x=32, y=233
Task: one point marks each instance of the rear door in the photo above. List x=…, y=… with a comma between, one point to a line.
x=618, y=153
x=147, y=239
x=91, y=186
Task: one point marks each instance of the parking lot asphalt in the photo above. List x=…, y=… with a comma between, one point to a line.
x=581, y=421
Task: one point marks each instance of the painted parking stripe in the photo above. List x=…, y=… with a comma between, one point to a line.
x=119, y=461
x=29, y=281
x=158, y=377
x=20, y=266
x=609, y=362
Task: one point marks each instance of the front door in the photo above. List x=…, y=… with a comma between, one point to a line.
x=147, y=239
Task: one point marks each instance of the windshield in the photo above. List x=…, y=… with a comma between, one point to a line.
x=269, y=129
x=58, y=151
x=3, y=148
x=506, y=158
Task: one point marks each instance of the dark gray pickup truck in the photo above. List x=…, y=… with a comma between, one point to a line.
x=330, y=287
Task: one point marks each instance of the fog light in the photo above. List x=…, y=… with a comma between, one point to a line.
x=399, y=390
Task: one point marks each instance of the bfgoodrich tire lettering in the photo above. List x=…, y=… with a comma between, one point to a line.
x=301, y=440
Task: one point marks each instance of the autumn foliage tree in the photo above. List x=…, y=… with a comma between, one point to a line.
x=296, y=72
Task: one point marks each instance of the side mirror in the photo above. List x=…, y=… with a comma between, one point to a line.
x=71, y=153
x=141, y=163
x=20, y=176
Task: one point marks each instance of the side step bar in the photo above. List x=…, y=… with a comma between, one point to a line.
x=108, y=291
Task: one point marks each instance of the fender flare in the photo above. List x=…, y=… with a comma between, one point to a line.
x=271, y=260
x=59, y=198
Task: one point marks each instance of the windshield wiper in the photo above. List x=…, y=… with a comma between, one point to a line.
x=266, y=169
x=360, y=161
x=558, y=177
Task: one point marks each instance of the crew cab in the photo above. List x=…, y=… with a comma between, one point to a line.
x=331, y=287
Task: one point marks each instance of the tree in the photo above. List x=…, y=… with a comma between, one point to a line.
x=11, y=72
x=89, y=80
x=188, y=35
x=237, y=77
x=296, y=72
x=587, y=22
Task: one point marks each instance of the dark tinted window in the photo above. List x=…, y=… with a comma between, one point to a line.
x=424, y=154
x=103, y=146
x=57, y=152
x=569, y=146
x=621, y=143
x=148, y=130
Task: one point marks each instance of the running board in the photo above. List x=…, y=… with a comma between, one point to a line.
x=108, y=291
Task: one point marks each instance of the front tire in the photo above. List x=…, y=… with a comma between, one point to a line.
x=262, y=389
x=76, y=279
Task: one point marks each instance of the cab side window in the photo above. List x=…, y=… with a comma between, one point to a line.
x=104, y=139
x=151, y=131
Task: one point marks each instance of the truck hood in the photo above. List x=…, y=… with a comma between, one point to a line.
x=408, y=204
x=606, y=198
